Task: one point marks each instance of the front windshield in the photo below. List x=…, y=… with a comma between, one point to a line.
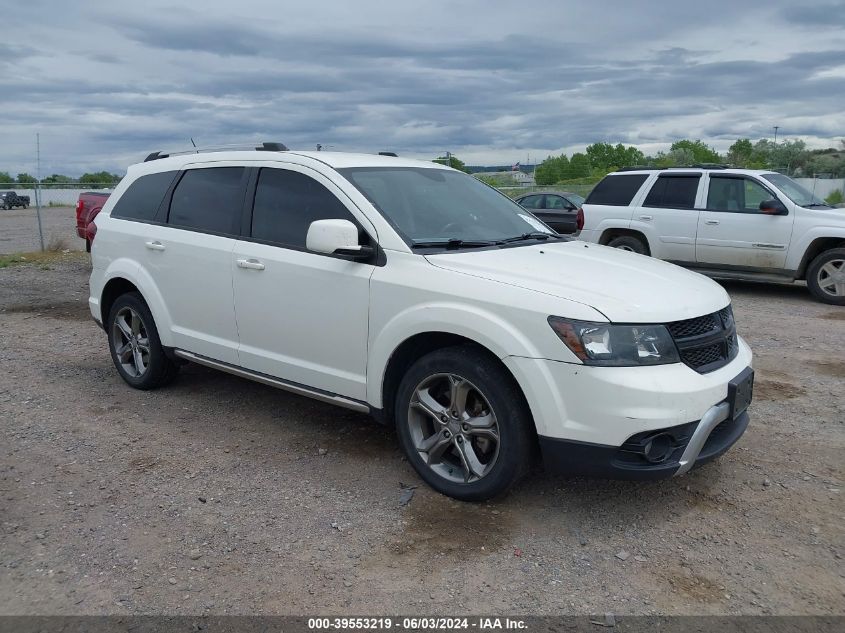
x=794, y=191
x=430, y=205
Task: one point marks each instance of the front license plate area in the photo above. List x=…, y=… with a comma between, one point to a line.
x=740, y=392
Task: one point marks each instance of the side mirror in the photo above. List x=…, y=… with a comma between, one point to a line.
x=336, y=237
x=773, y=207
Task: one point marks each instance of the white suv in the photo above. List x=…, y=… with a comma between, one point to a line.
x=726, y=223
x=418, y=294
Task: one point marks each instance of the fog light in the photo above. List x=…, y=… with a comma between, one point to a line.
x=658, y=448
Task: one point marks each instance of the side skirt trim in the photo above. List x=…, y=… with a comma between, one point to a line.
x=278, y=383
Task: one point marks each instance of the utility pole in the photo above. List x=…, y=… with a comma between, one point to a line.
x=777, y=127
x=38, y=188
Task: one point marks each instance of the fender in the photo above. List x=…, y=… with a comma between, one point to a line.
x=130, y=271
x=472, y=322
x=800, y=243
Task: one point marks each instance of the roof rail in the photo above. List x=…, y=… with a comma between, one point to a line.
x=695, y=166
x=264, y=147
x=394, y=154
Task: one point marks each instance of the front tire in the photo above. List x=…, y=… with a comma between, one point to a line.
x=463, y=423
x=826, y=277
x=135, y=346
x=629, y=243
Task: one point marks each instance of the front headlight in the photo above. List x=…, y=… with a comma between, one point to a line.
x=616, y=345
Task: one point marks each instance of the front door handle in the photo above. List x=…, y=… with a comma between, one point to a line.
x=646, y=217
x=250, y=264
x=711, y=222
x=154, y=246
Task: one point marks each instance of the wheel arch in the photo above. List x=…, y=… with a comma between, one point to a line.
x=612, y=233
x=121, y=278
x=816, y=248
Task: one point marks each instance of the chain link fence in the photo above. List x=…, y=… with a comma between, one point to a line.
x=41, y=216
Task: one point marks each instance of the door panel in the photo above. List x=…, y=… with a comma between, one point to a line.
x=303, y=317
x=194, y=275
x=733, y=232
x=669, y=209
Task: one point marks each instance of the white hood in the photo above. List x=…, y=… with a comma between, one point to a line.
x=625, y=287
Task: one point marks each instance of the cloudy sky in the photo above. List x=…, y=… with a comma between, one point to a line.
x=493, y=82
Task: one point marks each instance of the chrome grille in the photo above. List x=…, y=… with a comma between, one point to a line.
x=708, y=342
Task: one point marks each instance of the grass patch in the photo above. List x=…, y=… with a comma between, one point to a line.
x=39, y=259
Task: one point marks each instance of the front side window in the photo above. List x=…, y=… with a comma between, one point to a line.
x=616, y=190
x=209, y=200
x=430, y=206
x=739, y=195
x=673, y=192
x=556, y=202
x=287, y=202
x=143, y=197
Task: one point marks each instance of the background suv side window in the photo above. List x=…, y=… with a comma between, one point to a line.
x=616, y=190
x=740, y=195
x=209, y=200
x=673, y=192
x=287, y=202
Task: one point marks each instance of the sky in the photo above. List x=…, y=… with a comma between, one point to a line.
x=494, y=82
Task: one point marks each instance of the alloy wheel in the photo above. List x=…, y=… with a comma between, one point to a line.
x=453, y=428
x=131, y=342
x=831, y=278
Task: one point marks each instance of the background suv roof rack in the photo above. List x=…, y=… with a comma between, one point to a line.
x=695, y=166
x=264, y=147
x=394, y=154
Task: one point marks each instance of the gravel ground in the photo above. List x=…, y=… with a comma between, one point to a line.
x=218, y=495
x=19, y=230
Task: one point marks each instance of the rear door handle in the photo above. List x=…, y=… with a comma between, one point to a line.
x=154, y=246
x=646, y=217
x=711, y=222
x=250, y=264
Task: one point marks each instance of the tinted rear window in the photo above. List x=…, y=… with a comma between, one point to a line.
x=616, y=190
x=673, y=192
x=143, y=197
x=209, y=200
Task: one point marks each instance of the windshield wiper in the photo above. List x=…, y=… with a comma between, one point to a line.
x=453, y=243
x=815, y=204
x=534, y=235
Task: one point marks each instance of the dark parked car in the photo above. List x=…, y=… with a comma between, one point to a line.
x=9, y=200
x=561, y=210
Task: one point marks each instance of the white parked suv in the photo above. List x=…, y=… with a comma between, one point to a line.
x=725, y=223
x=422, y=296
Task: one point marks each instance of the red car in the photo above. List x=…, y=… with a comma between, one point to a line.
x=87, y=208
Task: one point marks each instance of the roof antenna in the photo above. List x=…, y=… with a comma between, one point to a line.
x=192, y=143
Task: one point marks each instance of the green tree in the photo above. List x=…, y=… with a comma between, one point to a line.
x=547, y=172
x=99, y=178
x=606, y=157
x=26, y=179
x=6, y=177
x=452, y=162
x=700, y=152
x=579, y=166
x=740, y=154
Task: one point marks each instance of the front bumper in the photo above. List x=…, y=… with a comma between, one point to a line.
x=692, y=445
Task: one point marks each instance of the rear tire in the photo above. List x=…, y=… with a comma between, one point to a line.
x=135, y=347
x=463, y=423
x=629, y=243
x=826, y=277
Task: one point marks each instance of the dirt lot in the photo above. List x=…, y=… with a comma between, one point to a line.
x=19, y=229
x=218, y=495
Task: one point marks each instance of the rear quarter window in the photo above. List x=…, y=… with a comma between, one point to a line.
x=616, y=190
x=143, y=197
